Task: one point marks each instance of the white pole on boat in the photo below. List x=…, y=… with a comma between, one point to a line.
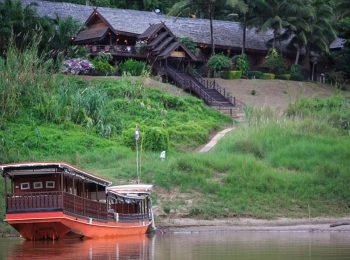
x=136, y=137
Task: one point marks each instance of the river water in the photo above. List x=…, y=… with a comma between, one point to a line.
x=246, y=245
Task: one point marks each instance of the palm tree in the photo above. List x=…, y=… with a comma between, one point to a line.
x=206, y=7
x=299, y=26
x=274, y=14
x=321, y=33
x=342, y=8
x=64, y=32
x=242, y=7
x=21, y=23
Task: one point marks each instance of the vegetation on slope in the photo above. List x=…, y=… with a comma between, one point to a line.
x=292, y=166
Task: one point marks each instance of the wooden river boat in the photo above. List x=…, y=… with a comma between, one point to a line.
x=55, y=200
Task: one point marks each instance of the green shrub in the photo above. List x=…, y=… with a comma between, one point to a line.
x=219, y=62
x=225, y=74
x=268, y=76
x=283, y=76
x=235, y=74
x=253, y=92
x=295, y=70
x=188, y=42
x=254, y=74
x=242, y=63
x=132, y=67
x=297, y=77
x=102, y=66
x=152, y=138
x=273, y=63
x=104, y=56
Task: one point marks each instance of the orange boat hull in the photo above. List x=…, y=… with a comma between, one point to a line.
x=58, y=225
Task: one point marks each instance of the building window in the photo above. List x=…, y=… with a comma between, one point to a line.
x=25, y=186
x=38, y=185
x=50, y=184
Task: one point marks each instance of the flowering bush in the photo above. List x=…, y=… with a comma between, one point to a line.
x=76, y=66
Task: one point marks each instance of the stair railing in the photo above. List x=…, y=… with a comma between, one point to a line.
x=212, y=85
x=191, y=85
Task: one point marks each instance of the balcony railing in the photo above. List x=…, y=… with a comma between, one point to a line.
x=115, y=49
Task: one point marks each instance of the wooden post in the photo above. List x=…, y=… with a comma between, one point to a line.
x=73, y=196
x=96, y=192
x=5, y=193
x=84, y=197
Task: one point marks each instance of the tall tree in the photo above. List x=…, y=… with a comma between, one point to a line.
x=242, y=7
x=342, y=8
x=206, y=7
x=321, y=34
x=65, y=30
x=273, y=14
x=299, y=26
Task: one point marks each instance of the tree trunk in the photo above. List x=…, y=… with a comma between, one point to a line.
x=244, y=31
x=211, y=15
x=307, y=60
x=297, y=56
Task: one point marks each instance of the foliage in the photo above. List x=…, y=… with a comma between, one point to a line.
x=253, y=92
x=19, y=26
x=235, y=74
x=242, y=63
x=219, y=62
x=76, y=66
x=188, y=42
x=295, y=70
x=254, y=74
x=268, y=76
x=297, y=77
x=283, y=76
x=65, y=29
x=342, y=56
x=273, y=63
x=102, y=67
x=132, y=67
x=25, y=80
x=151, y=138
x=104, y=57
x=77, y=51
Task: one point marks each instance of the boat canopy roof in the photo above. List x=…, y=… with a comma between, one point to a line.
x=129, y=192
x=30, y=168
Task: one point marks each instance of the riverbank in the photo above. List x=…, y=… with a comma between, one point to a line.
x=175, y=225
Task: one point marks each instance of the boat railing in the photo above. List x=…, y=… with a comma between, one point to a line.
x=84, y=207
x=33, y=200
x=118, y=217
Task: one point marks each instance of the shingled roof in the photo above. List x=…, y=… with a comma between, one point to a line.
x=96, y=33
x=226, y=34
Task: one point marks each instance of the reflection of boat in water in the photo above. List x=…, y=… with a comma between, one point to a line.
x=125, y=247
x=57, y=200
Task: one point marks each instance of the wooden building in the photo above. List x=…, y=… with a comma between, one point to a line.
x=115, y=29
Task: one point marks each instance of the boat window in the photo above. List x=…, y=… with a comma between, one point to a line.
x=50, y=184
x=25, y=186
x=38, y=185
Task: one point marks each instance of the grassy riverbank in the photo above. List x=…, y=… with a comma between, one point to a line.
x=292, y=166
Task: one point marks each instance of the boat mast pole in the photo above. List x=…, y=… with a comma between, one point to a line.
x=136, y=137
